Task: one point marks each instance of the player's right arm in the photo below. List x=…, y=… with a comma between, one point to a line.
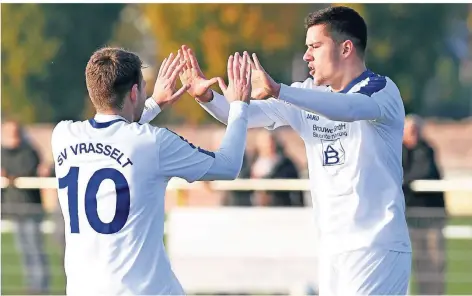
x=178, y=158
x=218, y=107
x=269, y=114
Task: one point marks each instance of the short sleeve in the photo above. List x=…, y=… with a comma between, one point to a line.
x=180, y=158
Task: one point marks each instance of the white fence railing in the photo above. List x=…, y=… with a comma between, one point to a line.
x=461, y=184
x=228, y=249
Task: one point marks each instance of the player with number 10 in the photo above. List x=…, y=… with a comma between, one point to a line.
x=113, y=171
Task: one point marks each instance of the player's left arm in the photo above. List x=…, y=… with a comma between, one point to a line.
x=361, y=105
x=179, y=158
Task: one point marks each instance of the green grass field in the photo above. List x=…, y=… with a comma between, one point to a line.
x=12, y=273
x=459, y=267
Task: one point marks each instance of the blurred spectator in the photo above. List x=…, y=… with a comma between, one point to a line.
x=58, y=219
x=271, y=162
x=239, y=198
x=234, y=198
x=426, y=213
x=24, y=206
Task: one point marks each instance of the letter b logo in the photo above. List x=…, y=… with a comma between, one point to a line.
x=333, y=153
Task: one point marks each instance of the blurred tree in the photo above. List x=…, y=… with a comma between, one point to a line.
x=45, y=49
x=214, y=31
x=469, y=18
x=26, y=54
x=406, y=43
x=132, y=32
x=82, y=28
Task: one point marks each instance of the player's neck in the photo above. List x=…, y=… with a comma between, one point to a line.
x=348, y=75
x=120, y=113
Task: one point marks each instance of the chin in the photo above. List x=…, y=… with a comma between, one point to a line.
x=318, y=80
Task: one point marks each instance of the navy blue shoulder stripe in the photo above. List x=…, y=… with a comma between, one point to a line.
x=209, y=153
x=364, y=75
x=96, y=124
x=375, y=84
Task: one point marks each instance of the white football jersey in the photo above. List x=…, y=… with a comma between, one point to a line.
x=112, y=179
x=355, y=167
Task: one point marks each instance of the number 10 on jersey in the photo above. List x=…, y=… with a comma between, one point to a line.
x=71, y=182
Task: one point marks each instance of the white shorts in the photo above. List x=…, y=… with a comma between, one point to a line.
x=365, y=272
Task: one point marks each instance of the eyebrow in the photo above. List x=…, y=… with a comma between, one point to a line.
x=313, y=43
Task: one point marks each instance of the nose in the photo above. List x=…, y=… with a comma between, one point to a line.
x=308, y=57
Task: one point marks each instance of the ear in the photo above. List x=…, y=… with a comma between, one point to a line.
x=134, y=94
x=347, y=48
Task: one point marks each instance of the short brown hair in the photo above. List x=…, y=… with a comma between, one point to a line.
x=343, y=23
x=110, y=74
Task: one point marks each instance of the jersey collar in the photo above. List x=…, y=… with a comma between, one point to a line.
x=105, y=120
x=356, y=80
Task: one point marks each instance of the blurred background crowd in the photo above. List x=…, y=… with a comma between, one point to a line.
x=425, y=48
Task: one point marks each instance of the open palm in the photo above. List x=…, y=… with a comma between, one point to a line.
x=193, y=76
x=198, y=83
x=261, y=82
x=165, y=93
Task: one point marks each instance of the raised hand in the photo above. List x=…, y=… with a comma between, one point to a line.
x=199, y=85
x=165, y=93
x=263, y=86
x=239, y=79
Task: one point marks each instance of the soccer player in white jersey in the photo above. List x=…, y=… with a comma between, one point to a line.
x=351, y=121
x=113, y=171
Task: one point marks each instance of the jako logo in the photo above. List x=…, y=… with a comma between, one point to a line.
x=312, y=117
